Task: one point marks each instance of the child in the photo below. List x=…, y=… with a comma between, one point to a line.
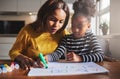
x=81, y=45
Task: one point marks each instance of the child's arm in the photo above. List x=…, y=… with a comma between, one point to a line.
x=97, y=55
x=58, y=53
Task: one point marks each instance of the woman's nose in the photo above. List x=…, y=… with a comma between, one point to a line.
x=56, y=24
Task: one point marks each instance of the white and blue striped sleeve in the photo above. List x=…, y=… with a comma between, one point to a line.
x=59, y=52
x=97, y=55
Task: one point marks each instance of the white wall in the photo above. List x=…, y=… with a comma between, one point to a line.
x=114, y=17
x=115, y=46
x=115, y=28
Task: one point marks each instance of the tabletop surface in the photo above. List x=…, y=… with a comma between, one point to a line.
x=113, y=67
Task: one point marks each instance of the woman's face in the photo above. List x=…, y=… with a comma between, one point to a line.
x=80, y=25
x=56, y=21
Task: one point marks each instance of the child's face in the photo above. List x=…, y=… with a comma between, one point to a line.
x=56, y=21
x=80, y=25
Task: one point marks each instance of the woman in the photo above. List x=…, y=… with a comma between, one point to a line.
x=41, y=36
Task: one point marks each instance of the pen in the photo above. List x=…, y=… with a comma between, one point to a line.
x=43, y=60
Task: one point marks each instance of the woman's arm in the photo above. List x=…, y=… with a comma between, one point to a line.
x=19, y=47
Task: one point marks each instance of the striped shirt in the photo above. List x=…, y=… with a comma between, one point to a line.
x=87, y=47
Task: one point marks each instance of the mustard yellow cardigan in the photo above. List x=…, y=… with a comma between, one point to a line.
x=30, y=43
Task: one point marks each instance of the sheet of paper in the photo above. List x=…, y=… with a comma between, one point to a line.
x=57, y=68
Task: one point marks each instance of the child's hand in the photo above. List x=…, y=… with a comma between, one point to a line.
x=73, y=57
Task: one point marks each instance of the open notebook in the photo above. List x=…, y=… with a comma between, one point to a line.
x=57, y=68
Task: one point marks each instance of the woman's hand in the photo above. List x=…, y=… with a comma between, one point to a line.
x=73, y=57
x=24, y=61
x=40, y=63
